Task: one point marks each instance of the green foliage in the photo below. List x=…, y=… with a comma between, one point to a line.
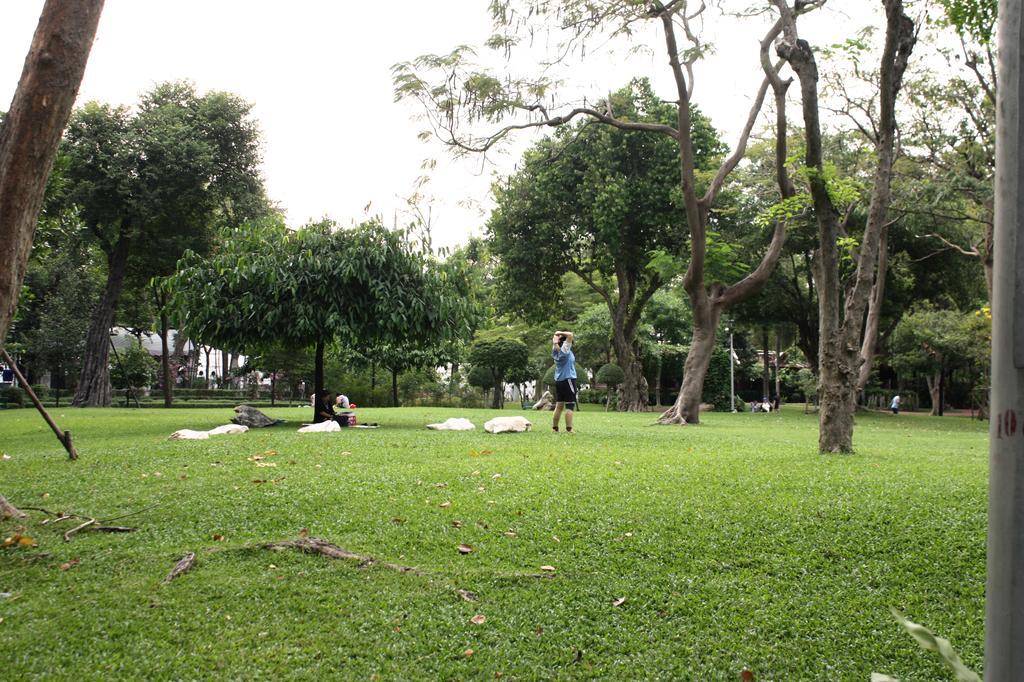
x=974, y=18
x=502, y=358
x=929, y=642
x=595, y=201
x=808, y=384
x=610, y=374
x=14, y=396
x=716, y=381
x=136, y=368
x=365, y=287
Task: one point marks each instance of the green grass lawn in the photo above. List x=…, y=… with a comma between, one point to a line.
x=734, y=544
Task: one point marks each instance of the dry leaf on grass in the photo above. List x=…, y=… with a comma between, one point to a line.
x=69, y=564
x=217, y=537
x=445, y=505
x=478, y=619
x=18, y=540
x=547, y=568
x=465, y=549
x=304, y=532
x=467, y=595
x=619, y=602
x=456, y=523
x=467, y=653
x=747, y=676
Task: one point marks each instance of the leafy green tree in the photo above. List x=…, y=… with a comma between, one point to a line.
x=458, y=95
x=502, y=358
x=595, y=201
x=150, y=183
x=135, y=368
x=610, y=375
x=931, y=342
x=362, y=287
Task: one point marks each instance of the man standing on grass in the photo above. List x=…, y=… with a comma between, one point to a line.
x=565, y=378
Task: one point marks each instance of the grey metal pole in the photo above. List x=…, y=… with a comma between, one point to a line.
x=1004, y=608
x=732, y=369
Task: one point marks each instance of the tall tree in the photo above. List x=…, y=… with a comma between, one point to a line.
x=502, y=358
x=361, y=287
x=460, y=93
x=30, y=132
x=596, y=201
x=149, y=184
x=840, y=321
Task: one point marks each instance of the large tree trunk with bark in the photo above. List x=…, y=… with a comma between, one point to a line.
x=634, y=386
x=31, y=131
x=94, y=380
x=687, y=406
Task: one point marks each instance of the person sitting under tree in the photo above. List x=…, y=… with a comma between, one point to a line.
x=565, y=378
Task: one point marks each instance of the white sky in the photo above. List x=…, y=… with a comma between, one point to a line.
x=319, y=75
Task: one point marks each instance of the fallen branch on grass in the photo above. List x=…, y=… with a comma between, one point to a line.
x=90, y=523
x=332, y=551
x=184, y=564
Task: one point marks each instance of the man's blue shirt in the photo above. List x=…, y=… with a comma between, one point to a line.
x=565, y=362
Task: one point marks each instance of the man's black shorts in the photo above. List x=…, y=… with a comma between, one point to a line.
x=565, y=391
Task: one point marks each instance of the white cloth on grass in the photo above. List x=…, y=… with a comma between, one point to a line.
x=189, y=434
x=509, y=424
x=453, y=424
x=322, y=427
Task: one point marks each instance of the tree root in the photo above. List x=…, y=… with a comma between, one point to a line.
x=184, y=564
x=672, y=418
x=8, y=510
x=332, y=551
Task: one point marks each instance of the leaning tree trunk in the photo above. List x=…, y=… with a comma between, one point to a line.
x=94, y=380
x=686, y=409
x=867, y=348
x=31, y=131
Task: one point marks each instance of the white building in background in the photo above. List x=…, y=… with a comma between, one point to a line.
x=122, y=339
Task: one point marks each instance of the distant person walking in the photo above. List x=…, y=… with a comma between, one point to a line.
x=565, y=378
x=895, y=404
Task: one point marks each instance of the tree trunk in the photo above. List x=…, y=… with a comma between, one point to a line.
x=273, y=387
x=934, y=382
x=778, y=367
x=840, y=326
x=634, y=385
x=206, y=354
x=766, y=370
x=867, y=348
x=94, y=380
x=31, y=131
x=686, y=409
x=498, y=394
x=165, y=362
x=657, y=383
x=318, y=375
x=394, y=387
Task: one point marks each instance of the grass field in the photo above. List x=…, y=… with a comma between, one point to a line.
x=734, y=545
